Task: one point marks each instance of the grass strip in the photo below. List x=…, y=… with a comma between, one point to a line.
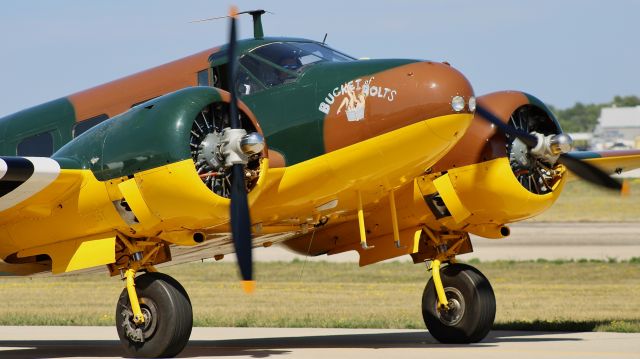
x=531, y=295
x=584, y=202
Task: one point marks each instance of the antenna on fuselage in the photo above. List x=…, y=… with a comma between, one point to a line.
x=258, y=33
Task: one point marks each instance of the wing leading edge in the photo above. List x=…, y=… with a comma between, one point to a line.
x=612, y=162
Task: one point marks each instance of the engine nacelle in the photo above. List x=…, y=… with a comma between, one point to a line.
x=474, y=188
x=490, y=179
x=163, y=162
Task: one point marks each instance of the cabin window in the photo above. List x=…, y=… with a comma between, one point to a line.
x=82, y=127
x=40, y=145
x=203, y=77
x=219, y=77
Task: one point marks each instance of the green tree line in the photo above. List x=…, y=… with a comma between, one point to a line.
x=584, y=117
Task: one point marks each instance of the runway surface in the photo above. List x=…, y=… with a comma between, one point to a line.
x=528, y=241
x=101, y=342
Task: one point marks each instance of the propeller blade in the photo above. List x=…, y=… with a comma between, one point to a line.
x=251, y=12
x=234, y=121
x=239, y=207
x=241, y=226
x=530, y=140
x=589, y=172
x=582, y=169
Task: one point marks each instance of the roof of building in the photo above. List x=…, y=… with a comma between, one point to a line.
x=581, y=136
x=619, y=117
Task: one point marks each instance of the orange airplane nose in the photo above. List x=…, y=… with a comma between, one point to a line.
x=395, y=98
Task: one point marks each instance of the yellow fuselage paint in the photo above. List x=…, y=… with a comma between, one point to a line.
x=481, y=198
x=372, y=167
x=171, y=203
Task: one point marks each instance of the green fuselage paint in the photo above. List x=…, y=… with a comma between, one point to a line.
x=289, y=114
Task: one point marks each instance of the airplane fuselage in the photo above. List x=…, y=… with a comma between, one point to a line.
x=324, y=153
x=345, y=129
x=301, y=118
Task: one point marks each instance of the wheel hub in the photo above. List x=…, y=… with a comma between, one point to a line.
x=456, y=307
x=139, y=333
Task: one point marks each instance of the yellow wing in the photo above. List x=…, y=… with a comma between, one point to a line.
x=30, y=188
x=612, y=162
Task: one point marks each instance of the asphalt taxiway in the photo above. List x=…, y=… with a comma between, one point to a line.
x=101, y=342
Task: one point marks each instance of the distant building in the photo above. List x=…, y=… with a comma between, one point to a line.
x=581, y=140
x=618, y=128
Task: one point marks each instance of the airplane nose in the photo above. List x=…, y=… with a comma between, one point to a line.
x=398, y=97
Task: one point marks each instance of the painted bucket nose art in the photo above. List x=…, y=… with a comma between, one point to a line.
x=354, y=97
x=374, y=104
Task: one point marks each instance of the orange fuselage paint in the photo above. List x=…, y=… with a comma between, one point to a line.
x=117, y=96
x=420, y=91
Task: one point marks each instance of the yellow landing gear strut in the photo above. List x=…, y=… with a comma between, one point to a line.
x=363, y=231
x=138, y=261
x=394, y=222
x=445, y=254
x=437, y=281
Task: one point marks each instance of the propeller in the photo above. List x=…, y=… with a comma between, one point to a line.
x=239, y=208
x=250, y=12
x=581, y=168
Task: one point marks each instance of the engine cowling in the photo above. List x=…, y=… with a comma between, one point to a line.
x=167, y=159
x=490, y=179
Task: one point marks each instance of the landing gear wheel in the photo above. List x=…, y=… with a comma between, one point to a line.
x=472, y=306
x=168, y=318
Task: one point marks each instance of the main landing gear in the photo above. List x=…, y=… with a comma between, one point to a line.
x=458, y=304
x=467, y=313
x=153, y=314
x=167, y=314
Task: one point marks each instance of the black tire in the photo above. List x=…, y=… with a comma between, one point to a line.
x=473, y=307
x=168, y=318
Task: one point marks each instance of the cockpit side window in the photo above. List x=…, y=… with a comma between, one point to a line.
x=267, y=74
x=246, y=83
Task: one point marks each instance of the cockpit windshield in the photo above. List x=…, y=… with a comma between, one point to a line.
x=280, y=63
x=294, y=56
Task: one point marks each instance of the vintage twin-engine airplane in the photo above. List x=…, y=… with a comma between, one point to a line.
x=329, y=154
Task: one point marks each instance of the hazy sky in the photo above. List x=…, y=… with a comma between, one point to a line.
x=562, y=51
